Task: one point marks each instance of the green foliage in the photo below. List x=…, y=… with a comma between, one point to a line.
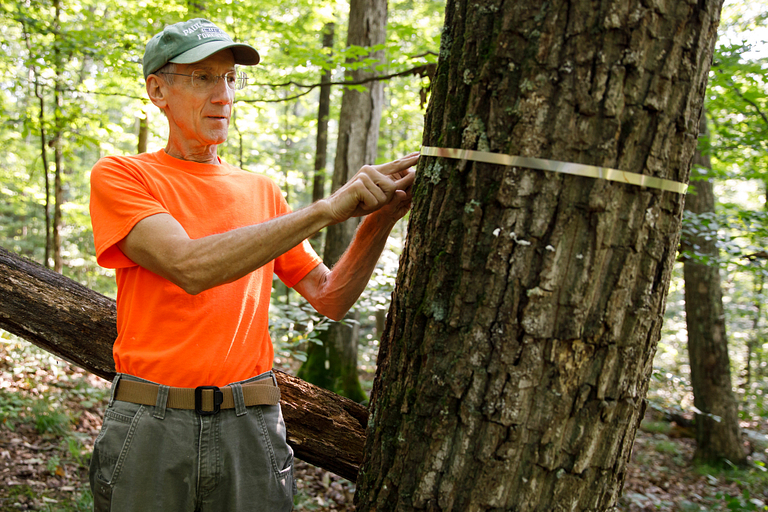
x=292, y=325
x=78, y=451
x=12, y=407
x=737, y=233
x=83, y=502
x=742, y=503
x=44, y=401
x=666, y=447
x=656, y=427
x=745, y=501
x=49, y=419
x=737, y=102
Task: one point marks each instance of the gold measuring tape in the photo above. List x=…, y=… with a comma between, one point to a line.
x=589, y=171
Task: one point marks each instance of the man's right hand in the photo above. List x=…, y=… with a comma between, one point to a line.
x=373, y=187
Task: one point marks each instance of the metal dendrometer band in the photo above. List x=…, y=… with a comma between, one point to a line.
x=589, y=171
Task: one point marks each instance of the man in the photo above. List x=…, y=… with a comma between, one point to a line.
x=193, y=422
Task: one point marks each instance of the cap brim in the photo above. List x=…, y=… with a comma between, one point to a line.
x=244, y=54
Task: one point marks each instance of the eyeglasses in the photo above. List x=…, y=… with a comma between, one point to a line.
x=205, y=81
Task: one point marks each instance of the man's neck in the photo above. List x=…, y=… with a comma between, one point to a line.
x=201, y=155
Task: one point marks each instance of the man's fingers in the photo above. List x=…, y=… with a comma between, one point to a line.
x=369, y=193
x=405, y=182
x=398, y=165
x=374, y=187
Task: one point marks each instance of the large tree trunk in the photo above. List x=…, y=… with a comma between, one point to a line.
x=334, y=363
x=718, y=435
x=520, y=339
x=78, y=325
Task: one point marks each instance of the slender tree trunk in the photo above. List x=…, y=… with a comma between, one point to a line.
x=44, y=155
x=196, y=8
x=58, y=200
x=240, y=152
x=756, y=337
x=381, y=318
x=323, y=114
x=718, y=435
x=334, y=363
x=58, y=189
x=520, y=339
x=143, y=119
x=43, y=152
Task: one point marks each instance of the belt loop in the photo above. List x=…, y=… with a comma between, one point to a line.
x=162, y=400
x=113, y=391
x=237, y=395
x=274, y=378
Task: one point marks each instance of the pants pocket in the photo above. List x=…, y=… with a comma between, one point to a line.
x=102, y=495
x=286, y=479
x=113, y=443
x=281, y=455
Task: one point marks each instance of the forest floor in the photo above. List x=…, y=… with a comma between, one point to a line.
x=50, y=415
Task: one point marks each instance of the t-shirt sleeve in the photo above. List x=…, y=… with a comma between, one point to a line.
x=119, y=200
x=295, y=264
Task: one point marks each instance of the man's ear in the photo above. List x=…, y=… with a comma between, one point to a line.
x=157, y=90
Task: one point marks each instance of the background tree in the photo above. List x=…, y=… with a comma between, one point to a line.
x=333, y=363
x=521, y=337
x=718, y=436
x=323, y=115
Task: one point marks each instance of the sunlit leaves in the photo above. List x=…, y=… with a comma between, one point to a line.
x=737, y=104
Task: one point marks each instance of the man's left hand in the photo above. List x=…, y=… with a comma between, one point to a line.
x=373, y=188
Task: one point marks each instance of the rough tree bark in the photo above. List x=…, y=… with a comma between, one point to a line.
x=528, y=306
x=718, y=435
x=333, y=365
x=78, y=325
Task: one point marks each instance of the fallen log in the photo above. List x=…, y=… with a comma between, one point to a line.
x=79, y=326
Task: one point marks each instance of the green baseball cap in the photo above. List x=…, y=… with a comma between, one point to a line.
x=192, y=41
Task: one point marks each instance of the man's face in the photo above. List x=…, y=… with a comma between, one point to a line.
x=201, y=117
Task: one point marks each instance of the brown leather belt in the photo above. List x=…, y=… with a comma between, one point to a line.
x=205, y=400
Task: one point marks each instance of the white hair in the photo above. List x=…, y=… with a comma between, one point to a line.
x=169, y=67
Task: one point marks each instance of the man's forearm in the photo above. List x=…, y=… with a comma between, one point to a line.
x=344, y=284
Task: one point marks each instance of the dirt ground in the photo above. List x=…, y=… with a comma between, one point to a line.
x=49, y=420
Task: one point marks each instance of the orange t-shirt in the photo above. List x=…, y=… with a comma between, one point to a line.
x=164, y=334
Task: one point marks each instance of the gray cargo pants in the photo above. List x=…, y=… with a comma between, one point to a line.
x=172, y=460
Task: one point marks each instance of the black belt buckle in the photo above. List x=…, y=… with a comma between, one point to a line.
x=218, y=399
